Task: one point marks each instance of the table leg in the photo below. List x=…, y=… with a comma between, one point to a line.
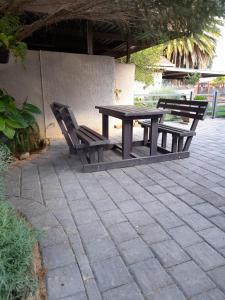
x=127, y=131
x=153, y=135
x=105, y=126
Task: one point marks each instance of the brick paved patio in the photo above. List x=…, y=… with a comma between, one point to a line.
x=148, y=232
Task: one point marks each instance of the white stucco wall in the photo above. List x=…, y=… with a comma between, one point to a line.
x=80, y=81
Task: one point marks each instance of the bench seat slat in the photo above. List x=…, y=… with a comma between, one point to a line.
x=169, y=129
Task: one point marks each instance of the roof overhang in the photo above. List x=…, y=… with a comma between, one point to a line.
x=181, y=73
x=108, y=27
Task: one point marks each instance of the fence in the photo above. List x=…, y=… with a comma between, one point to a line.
x=216, y=107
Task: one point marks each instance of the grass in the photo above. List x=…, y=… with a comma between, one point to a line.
x=17, y=240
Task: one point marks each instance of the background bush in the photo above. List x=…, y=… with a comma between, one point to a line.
x=17, y=240
x=16, y=248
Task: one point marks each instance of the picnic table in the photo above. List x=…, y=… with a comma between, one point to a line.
x=129, y=113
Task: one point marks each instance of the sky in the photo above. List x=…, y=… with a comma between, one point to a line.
x=219, y=60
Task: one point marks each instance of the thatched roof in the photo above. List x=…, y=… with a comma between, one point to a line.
x=114, y=26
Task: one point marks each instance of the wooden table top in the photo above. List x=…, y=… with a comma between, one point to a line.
x=132, y=111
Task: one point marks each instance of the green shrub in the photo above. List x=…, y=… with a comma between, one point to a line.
x=16, y=247
x=4, y=161
x=200, y=97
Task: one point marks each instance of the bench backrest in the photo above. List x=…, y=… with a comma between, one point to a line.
x=195, y=110
x=67, y=123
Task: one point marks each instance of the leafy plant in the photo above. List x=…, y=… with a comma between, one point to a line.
x=13, y=118
x=4, y=162
x=218, y=80
x=192, y=79
x=16, y=247
x=9, y=26
x=200, y=97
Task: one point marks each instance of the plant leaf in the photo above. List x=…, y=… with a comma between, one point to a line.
x=9, y=132
x=15, y=124
x=31, y=108
x=2, y=106
x=29, y=119
x=2, y=124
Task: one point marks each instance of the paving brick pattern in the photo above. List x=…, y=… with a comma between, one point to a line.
x=147, y=232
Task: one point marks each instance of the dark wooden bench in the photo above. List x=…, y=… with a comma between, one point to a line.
x=181, y=138
x=82, y=140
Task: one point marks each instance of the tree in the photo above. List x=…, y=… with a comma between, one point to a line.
x=218, y=80
x=194, y=51
x=152, y=20
x=146, y=64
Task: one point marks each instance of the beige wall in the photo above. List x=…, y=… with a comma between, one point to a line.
x=81, y=81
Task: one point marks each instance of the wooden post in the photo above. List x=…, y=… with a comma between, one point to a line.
x=214, y=105
x=89, y=38
x=191, y=96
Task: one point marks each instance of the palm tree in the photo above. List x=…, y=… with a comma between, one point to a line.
x=195, y=51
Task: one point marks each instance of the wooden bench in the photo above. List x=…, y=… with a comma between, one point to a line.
x=80, y=139
x=181, y=138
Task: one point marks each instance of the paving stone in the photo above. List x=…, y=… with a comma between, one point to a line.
x=218, y=276
x=57, y=255
x=129, y=206
x=167, y=199
x=177, y=190
x=167, y=183
x=219, y=221
x=80, y=204
x=134, y=251
x=92, y=289
x=181, y=209
x=44, y=221
x=76, y=244
x=79, y=296
x=191, y=199
x=155, y=208
x=122, y=232
x=191, y=278
x=184, y=235
x=153, y=233
x=214, y=294
x=111, y=273
x=150, y=276
x=92, y=232
x=155, y=189
x=214, y=236
x=140, y=218
x=197, y=222
x=113, y=217
x=124, y=292
x=63, y=282
x=52, y=236
x=170, y=253
x=205, y=256
x=207, y=210
x=84, y=267
x=85, y=216
x=104, y=205
x=146, y=182
x=171, y=292
x=169, y=220
x=101, y=249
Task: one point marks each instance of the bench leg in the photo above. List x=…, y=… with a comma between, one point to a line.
x=180, y=144
x=92, y=155
x=83, y=156
x=100, y=154
x=164, y=139
x=188, y=143
x=145, y=137
x=174, y=143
